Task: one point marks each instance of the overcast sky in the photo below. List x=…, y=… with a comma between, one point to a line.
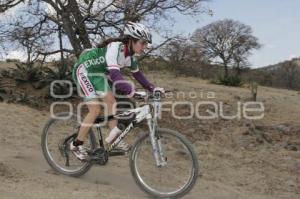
x=276, y=23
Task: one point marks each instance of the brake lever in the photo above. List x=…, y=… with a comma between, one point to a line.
x=161, y=94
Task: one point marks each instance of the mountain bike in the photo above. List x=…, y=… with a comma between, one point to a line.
x=163, y=162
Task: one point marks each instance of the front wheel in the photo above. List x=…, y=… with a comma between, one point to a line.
x=172, y=180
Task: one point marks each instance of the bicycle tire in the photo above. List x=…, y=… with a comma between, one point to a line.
x=81, y=171
x=191, y=182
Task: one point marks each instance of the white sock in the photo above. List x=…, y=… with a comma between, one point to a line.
x=112, y=135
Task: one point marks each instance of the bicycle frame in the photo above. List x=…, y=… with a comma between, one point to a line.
x=142, y=113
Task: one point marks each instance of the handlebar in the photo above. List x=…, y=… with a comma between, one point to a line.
x=156, y=95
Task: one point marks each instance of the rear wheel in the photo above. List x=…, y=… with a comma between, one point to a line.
x=57, y=153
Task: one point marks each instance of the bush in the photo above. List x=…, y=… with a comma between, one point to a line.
x=6, y=73
x=60, y=72
x=13, y=60
x=231, y=80
x=27, y=73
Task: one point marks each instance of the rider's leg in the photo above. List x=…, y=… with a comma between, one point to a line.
x=111, y=103
x=94, y=111
x=77, y=145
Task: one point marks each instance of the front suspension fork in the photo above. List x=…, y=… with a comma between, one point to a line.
x=157, y=149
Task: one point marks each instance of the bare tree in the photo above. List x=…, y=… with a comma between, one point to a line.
x=182, y=56
x=86, y=22
x=32, y=38
x=240, y=62
x=288, y=73
x=227, y=40
x=7, y=4
x=176, y=53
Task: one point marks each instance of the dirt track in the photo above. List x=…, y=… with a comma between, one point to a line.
x=227, y=172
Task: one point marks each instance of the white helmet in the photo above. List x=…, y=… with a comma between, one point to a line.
x=138, y=31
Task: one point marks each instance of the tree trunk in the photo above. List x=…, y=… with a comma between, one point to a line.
x=79, y=24
x=28, y=57
x=225, y=70
x=70, y=32
x=63, y=66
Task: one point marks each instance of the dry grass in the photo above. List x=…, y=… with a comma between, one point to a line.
x=233, y=163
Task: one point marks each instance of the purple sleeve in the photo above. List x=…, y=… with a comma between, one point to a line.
x=123, y=86
x=139, y=76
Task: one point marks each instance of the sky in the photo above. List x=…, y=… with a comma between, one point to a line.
x=276, y=23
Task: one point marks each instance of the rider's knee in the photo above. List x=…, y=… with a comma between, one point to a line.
x=111, y=100
x=95, y=111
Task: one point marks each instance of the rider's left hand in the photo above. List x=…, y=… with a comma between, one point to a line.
x=162, y=90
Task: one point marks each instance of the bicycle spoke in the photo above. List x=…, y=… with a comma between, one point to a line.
x=170, y=179
x=58, y=152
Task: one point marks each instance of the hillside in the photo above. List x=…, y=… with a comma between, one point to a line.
x=239, y=158
x=279, y=65
x=282, y=75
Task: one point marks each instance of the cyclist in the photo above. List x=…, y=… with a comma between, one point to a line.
x=92, y=71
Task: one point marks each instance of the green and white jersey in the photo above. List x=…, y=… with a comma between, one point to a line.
x=100, y=60
x=90, y=69
x=117, y=58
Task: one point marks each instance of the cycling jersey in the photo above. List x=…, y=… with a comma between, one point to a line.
x=99, y=60
x=117, y=57
x=89, y=72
